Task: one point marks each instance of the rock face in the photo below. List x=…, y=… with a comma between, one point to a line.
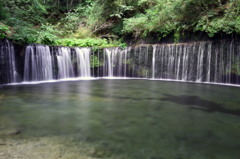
x=10, y=28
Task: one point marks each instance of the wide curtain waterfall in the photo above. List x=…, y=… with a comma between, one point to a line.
x=207, y=61
x=217, y=62
x=199, y=62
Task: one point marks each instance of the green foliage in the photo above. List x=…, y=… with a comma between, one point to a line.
x=38, y=6
x=30, y=11
x=22, y=15
x=122, y=45
x=83, y=42
x=3, y=11
x=166, y=16
x=229, y=22
x=117, y=28
x=96, y=62
x=121, y=9
x=177, y=36
x=90, y=42
x=3, y=30
x=158, y=19
x=24, y=35
x=48, y=34
x=47, y=21
x=135, y=25
x=75, y=20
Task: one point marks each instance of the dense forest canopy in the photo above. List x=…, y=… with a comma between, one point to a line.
x=85, y=22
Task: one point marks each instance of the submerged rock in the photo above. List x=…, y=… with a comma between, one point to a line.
x=7, y=127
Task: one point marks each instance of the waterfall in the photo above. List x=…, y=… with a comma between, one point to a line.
x=116, y=63
x=153, y=61
x=98, y=65
x=162, y=48
x=38, y=64
x=229, y=71
x=65, y=68
x=83, y=62
x=216, y=64
x=179, y=61
x=125, y=62
x=104, y=63
x=109, y=63
x=8, y=72
x=146, y=62
x=217, y=61
x=93, y=63
x=221, y=63
x=119, y=73
x=209, y=61
x=12, y=63
x=200, y=62
x=192, y=63
x=133, y=61
x=185, y=62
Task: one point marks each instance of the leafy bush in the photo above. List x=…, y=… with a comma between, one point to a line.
x=229, y=22
x=3, y=30
x=165, y=16
x=82, y=42
x=48, y=34
x=46, y=21
x=122, y=45
x=81, y=33
x=24, y=34
x=90, y=42
x=95, y=64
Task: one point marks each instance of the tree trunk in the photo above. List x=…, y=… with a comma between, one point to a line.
x=67, y=5
x=71, y=5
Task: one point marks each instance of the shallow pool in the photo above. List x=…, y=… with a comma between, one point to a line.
x=126, y=119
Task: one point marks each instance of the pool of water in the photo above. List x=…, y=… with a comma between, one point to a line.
x=130, y=119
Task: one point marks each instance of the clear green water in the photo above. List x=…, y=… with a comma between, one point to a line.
x=135, y=119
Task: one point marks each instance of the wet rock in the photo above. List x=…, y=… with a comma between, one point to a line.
x=7, y=127
x=2, y=144
x=9, y=132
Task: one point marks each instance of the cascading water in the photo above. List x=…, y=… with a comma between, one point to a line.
x=125, y=61
x=65, y=68
x=98, y=72
x=179, y=54
x=38, y=64
x=116, y=62
x=12, y=63
x=110, y=59
x=153, y=61
x=200, y=62
x=8, y=71
x=209, y=62
x=41, y=64
x=83, y=61
x=215, y=62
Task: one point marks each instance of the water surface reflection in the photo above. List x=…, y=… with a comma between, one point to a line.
x=130, y=118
